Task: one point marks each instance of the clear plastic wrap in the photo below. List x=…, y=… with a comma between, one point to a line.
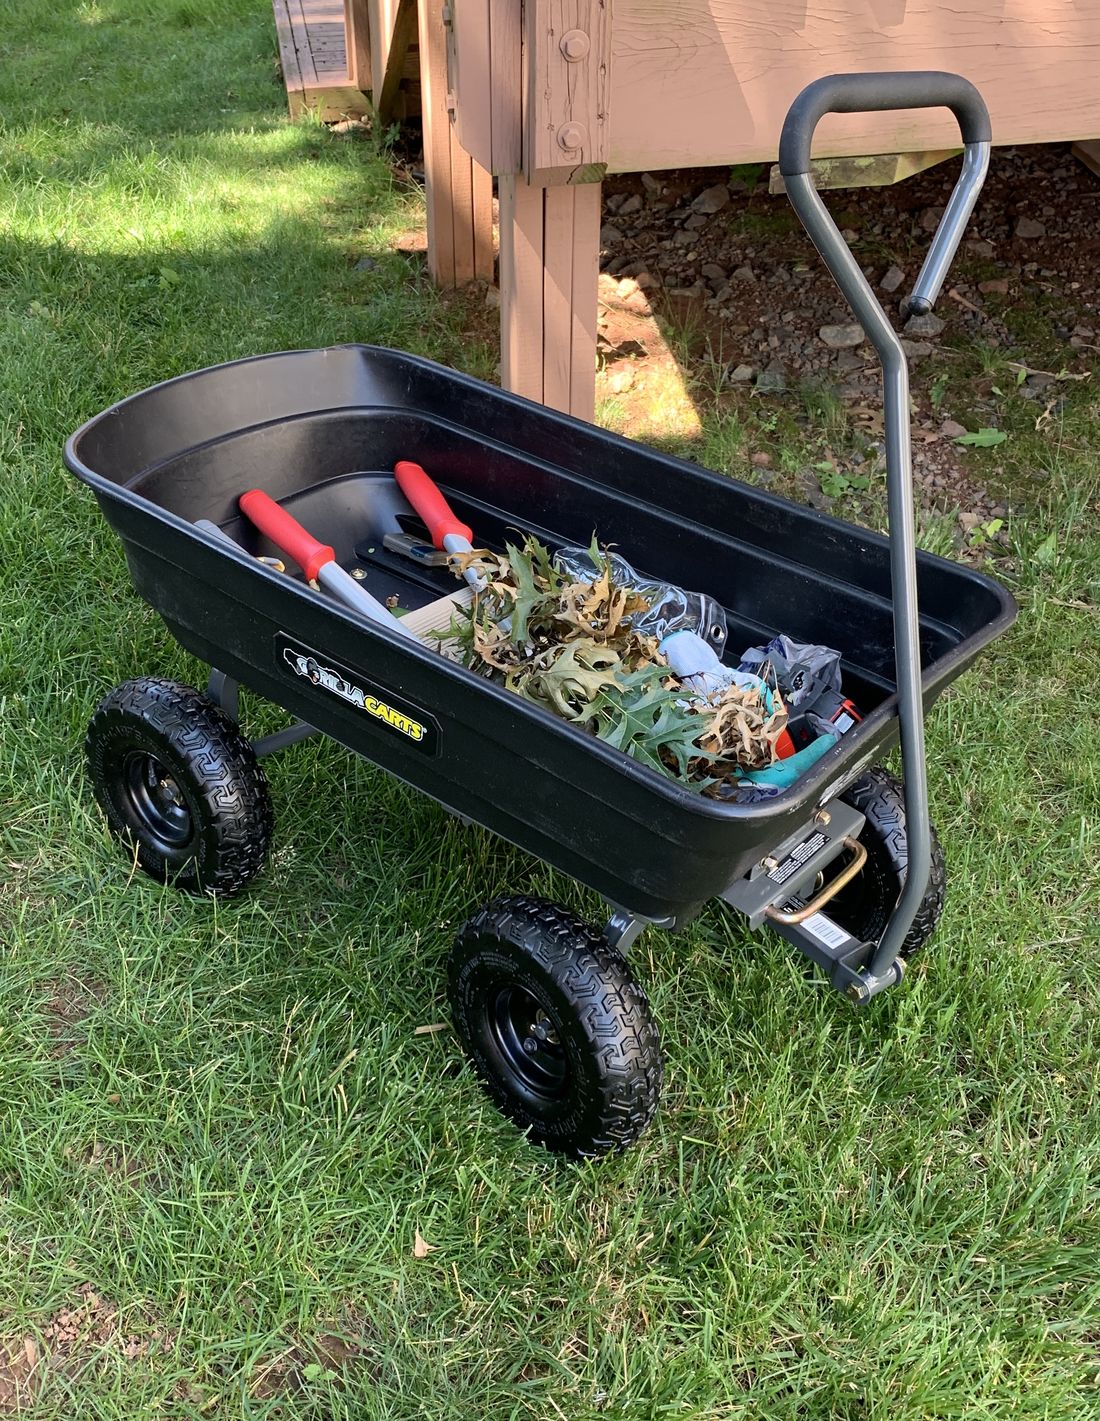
x=671, y=609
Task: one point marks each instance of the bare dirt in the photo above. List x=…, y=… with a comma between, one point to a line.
x=727, y=270
x=76, y=1337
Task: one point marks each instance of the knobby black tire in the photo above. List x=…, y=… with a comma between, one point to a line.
x=220, y=781
x=865, y=905
x=602, y=1017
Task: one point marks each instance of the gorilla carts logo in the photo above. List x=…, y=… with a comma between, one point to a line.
x=413, y=726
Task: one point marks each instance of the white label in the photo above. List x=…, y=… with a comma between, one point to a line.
x=825, y=930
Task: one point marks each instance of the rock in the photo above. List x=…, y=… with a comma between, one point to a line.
x=848, y=360
x=929, y=325
x=1038, y=380
x=647, y=281
x=632, y=204
x=1027, y=228
x=742, y=374
x=683, y=238
x=914, y=349
x=743, y=273
x=712, y=271
x=760, y=460
x=695, y=221
x=609, y=235
x=492, y=297
x=711, y=199
x=651, y=184
x=366, y=264
x=997, y=287
x=892, y=279
x=842, y=337
x=969, y=521
x=930, y=218
x=952, y=429
x=621, y=380
x=772, y=380
x=978, y=248
x=614, y=201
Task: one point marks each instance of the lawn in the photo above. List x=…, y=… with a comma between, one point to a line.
x=223, y=1144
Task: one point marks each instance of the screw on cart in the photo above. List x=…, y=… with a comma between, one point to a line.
x=843, y=862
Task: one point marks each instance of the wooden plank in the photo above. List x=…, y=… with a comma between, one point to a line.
x=470, y=75
x=401, y=39
x=288, y=56
x=483, y=221
x=521, y=287
x=584, y=303
x=357, y=30
x=437, y=142
x=569, y=55
x=436, y=616
x=462, y=210
x=697, y=82
x=380, y=22
x=557, y=295
x=506, y=87
x=314, y=55
x=878, y=170
x=301, y=43
x=1089, y=154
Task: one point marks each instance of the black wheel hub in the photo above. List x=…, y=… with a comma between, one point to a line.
x=156, y=802
x=529, y=1043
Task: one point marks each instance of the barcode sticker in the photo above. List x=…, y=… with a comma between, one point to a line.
x=825, y=930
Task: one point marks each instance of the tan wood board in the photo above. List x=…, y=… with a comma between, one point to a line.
x=401, y=38
x=568, y=49
x=357, y=29
x=436, y=616
x=697, y=82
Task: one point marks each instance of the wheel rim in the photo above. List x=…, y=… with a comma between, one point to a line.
x=529, y=1042
x=158, y=807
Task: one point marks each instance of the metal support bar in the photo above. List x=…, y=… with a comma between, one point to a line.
x=224, y=691
x=790, y=870
x=853, y=93
x=280, y=739
x=841, y=957
x=847, y=274
x=623, y=930
x=950, y=232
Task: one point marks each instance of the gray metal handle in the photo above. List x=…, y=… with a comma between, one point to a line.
x=850, y=93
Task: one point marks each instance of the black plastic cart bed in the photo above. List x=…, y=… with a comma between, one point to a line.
x=577, y=1065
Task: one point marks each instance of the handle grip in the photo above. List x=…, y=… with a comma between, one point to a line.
x=425, y=497
x=286, y=532
x=874, y=93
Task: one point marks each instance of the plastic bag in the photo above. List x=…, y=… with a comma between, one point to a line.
x=671, y=609
x=802, y=673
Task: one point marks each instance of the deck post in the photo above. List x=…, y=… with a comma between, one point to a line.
x=357, y=41
x=459, y=190
x=549, y=269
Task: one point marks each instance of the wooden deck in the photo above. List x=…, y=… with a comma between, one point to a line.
x=336, y=52
x=314, y=54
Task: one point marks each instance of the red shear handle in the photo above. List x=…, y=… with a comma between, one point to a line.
x=426, y=498
x=285, y=532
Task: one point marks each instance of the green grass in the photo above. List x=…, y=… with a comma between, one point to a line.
x=219, y=1116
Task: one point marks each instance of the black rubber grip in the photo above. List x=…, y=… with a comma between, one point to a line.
x=873, y=93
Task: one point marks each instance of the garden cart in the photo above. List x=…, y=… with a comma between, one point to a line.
x=844, y=864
